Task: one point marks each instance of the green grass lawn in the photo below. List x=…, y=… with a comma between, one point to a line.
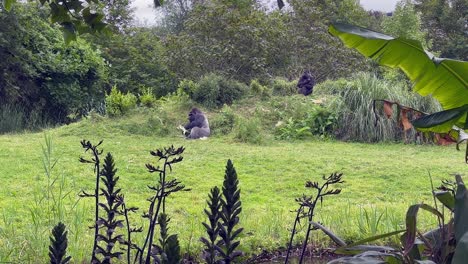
x=381, y=181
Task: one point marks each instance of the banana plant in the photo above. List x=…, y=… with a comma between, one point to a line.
x=446, y=244
x=445, y=79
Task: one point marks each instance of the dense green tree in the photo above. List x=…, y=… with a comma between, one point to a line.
x=175, y=13
x=42, y=74
x=118, y=14
x=243, y=43
x=135, y=62
x=405, y=23
x=310, y=45
x=446, y=22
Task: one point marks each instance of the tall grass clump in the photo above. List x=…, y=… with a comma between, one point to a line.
x=356, y=119
x=282, y=87
x=11, y=119
x=14, y=118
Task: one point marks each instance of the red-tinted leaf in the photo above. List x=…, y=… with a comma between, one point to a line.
x=388, y=110
x=404, y=119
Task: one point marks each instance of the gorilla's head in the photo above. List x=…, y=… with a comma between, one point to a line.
x=195, y=111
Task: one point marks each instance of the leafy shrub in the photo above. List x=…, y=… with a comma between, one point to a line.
x=147, y=98
x=283, y=87
x=187, y=86
x=223, y=123
x=292, y=130
x=118, y=104
x=257, y=89
x=248, y=130
x=318, y=121
x=214, y=91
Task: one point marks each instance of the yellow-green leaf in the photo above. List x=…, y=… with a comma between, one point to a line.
x=445, y=79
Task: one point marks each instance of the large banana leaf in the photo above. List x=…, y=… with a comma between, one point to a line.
x=445, y=79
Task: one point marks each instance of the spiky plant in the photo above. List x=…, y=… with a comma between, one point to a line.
x=162, y=189
x=58, y=247
x=229, y=216
x=307, y=204
x=95, y=160
x=130, y=230
x=212, y=229
x=168, y=250
x=110, y=224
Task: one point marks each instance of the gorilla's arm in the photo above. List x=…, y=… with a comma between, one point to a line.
x=197, y=122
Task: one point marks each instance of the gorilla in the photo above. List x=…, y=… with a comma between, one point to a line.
x=197, y=126
x=306, y=83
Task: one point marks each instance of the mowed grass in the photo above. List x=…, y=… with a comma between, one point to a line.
x=381, y=181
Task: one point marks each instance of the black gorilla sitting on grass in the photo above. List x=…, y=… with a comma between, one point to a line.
x=197, y=126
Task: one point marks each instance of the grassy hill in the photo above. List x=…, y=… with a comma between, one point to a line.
x=381, y=181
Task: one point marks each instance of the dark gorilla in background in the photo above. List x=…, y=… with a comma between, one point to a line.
x=306, y=83
x=197, y=126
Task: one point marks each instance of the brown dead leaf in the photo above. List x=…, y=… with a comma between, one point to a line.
x=388, y=110
x=404, y=119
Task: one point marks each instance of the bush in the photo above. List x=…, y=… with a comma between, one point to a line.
x=283, y=87
x=187, y=86
x=148, y=99
x=318, y=121
x=118, y=104
x=248, y=130
x=223, y=123
x=257, y=89
x=215, y=91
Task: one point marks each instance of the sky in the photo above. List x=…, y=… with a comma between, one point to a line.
x=145, y=12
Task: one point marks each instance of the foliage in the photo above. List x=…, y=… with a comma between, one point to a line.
x=307, y=205
x=118, y=104
x=223, y=122
x=188, y=86
x=210, y=243
x=14, y=118
x=147, y=98
x=136, y=62
x=95, y=160
x=445, y=244
x=248, y=130
x=445, y=79
x=41, y=73
x=244, y=43
x=215, y=91
x=229, y=216
x=168, y=250
x=356, y=120
x=283, y=87
x=309, y=45
x=75, y=17
x=163, y=188
x=257, y=89
x=406, y=23
x=445, y=21
x=318, y=121
x=175, y=13
x=110, y=224
x=59, y=244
